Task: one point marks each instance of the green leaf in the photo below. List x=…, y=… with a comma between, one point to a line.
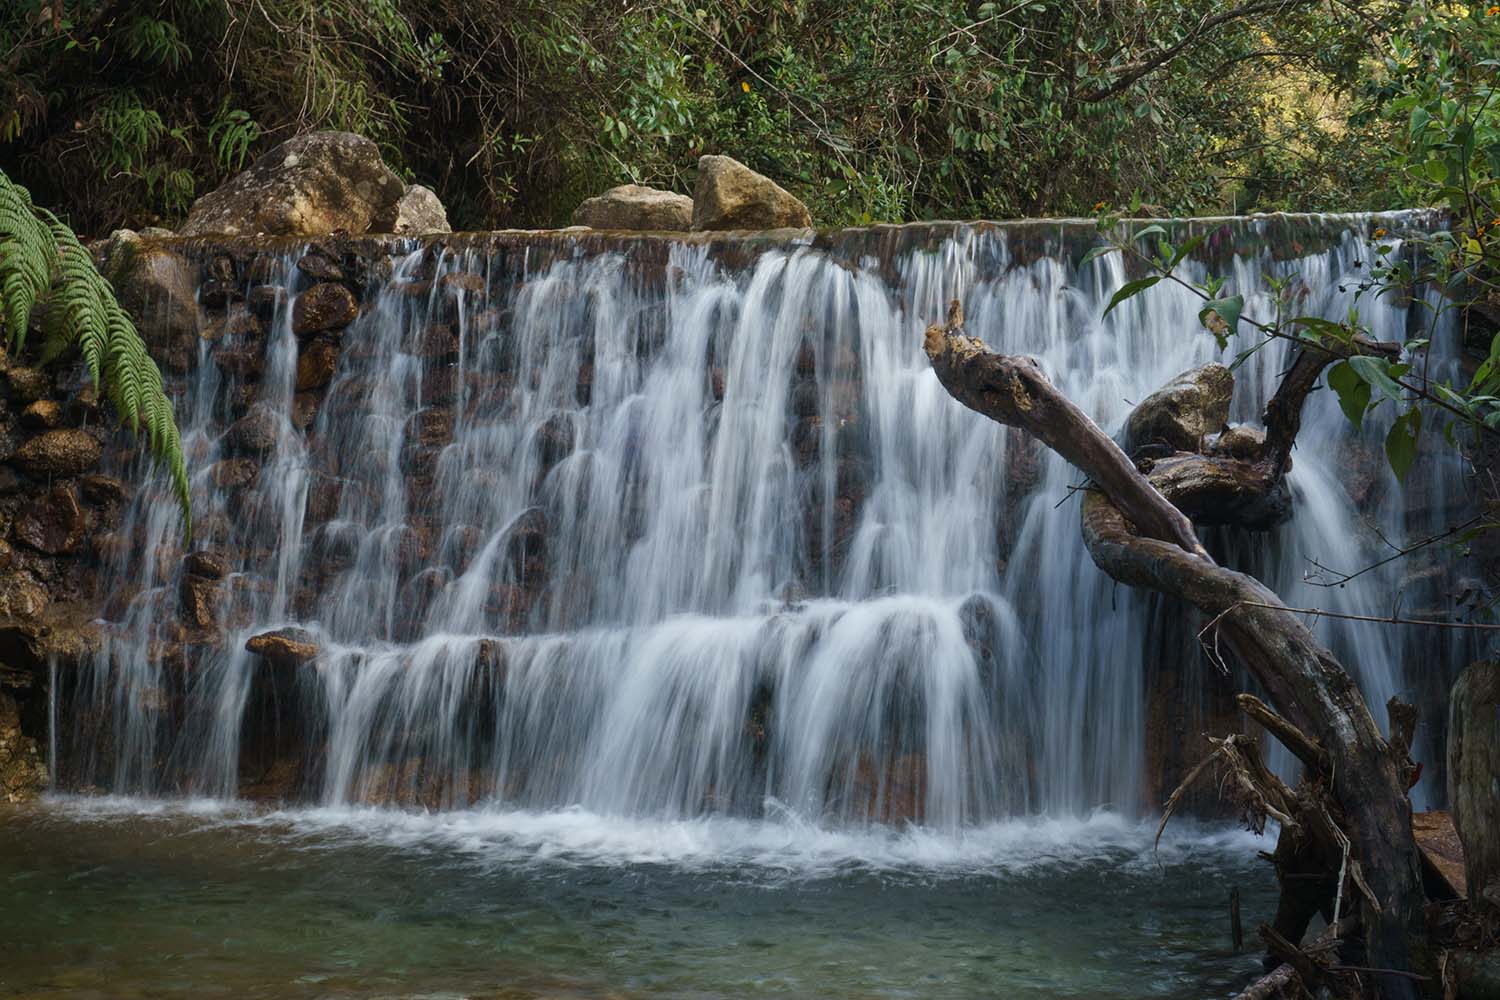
x=1353, y=392
x=1377, y=373
x=1227, y=312
x=1187, y=248
x=1151, y=230
x=1130, y=288
x=1401, y=442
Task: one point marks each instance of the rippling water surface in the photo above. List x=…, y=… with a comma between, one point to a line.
x=121, y=898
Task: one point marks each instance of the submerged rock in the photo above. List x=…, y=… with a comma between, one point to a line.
x=730, y=195
x=321, y=182
x=285, y=646
x=632, y=206
x=1183, y=412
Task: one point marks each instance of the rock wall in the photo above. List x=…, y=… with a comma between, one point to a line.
x=211, y=302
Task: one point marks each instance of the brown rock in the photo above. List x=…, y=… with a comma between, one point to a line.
x=285, y=647
x=730, y=195
x=466, y=282
x=21, y=596
x=156, y=286
x=246, y=362
x=264, y=300
x=633, y=207
x=1240, y=441
x=555, y=439
x=1182, y=413
x=326, y=306
x=23, y=775
x=199, y=602
x=28, y=384
x=305, y=409
x=57, y=453
x=42, y=414
x=316, y=364
x=233, y=473
x=54, y=524
x=238, y=322
x=256, y=433
x=209, y=565
x=320, y=268
x=320, y=182
x=103, y=490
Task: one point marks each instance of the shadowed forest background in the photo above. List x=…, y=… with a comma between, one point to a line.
x=121, y=113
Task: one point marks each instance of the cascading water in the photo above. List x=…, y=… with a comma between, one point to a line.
x=696, y=530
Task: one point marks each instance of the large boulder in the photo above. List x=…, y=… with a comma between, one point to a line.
x=415, y=213
x=730, y=195
x=1182, y=413
x=320, y=182
x=1474, y=778
x=631, y=206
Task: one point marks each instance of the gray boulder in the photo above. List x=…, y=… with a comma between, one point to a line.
x=631, y=206
x=415, y=213
x=730, y=195
x=321, y=182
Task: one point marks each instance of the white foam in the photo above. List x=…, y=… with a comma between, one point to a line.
x=775, y=848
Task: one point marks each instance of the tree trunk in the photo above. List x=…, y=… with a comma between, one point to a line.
x=1473, y=775
x=1136, y=535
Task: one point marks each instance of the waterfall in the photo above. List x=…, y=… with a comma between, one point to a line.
x=665, y=528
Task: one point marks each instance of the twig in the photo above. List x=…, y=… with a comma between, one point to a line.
x=1377, y=619
x=1346, y=577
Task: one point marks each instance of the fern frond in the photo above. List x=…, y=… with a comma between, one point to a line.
x=41, y=260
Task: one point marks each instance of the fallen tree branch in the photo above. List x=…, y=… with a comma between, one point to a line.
x=1304, y=747
x=1135, y=534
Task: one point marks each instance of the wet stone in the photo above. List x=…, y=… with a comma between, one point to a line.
x=209, y=565
x=318, y=267
x=233, y=473
x=285, y=647
x=104, y=491
x=217, y=294
x=265, y=300
x=239, y=323
x=256, y=433
x=316, y=364
x=55, y=524
x=323, y=307
x=43, y=414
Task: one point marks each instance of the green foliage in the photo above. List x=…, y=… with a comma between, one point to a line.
x=43, y=264
x=869, y=110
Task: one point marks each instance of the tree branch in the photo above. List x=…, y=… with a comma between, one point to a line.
x=1136, y=536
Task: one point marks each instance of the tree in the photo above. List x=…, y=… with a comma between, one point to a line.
x=1139, y=536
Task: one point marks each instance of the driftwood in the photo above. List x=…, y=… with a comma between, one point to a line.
x=1138, y=536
